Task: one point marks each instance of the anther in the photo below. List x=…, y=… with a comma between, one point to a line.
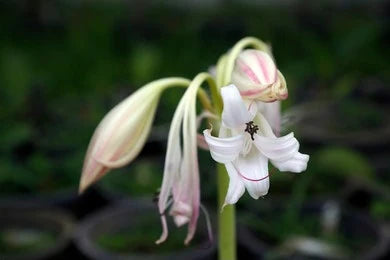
x=251, y=128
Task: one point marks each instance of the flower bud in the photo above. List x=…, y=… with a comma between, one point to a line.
x=122, y=133
x=256, y=77
x=181, y=212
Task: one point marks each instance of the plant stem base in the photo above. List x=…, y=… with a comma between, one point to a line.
x=226, y=219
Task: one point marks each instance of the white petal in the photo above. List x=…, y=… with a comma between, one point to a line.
x=253, y=170
x=251, y=106
x=271, y=112
x=224, y=150
x=173, y=157
x=277, y=149
x=298, y=163
x=264, y=127
x=234, y=112
x=181, y=212
x=289, y=159
x=236, y=185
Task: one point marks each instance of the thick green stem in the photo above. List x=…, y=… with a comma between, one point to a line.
x=226, y=219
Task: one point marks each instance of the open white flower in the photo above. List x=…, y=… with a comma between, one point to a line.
x=245, y=144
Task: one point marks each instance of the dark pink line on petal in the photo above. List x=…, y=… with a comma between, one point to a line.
x=250, y=179
x=262, y=66
x=248, y=71
x=252, y=92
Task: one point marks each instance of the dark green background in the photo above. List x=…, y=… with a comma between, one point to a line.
x=64, y=64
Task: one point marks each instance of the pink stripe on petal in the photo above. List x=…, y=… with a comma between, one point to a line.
x=250, y=179
x=248, y=71
x=263, y=67
x=195, y=200
x=252, y=92
x=202, y=142
x=284, y=96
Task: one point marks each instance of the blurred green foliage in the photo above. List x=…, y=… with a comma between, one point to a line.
x=65, y=64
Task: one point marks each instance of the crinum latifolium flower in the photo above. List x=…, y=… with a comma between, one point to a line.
x=245, y=144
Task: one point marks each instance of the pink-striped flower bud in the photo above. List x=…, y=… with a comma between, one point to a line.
x=256, y=77
x=122, y=133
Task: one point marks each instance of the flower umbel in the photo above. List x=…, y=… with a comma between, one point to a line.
x=247, y=139
x=246, y=143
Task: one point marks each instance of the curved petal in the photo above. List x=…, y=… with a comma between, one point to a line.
x=282, y=151
x=279, y=89
x=224, y=150
x=131, y=146
x=234, y=112
x=277, y=149
x=164, y=234
x=254, y=72
x=172, y=165
x=181, y=212
x=272, y=114
x=298, y=163
x=236, y=185
x=253, y=170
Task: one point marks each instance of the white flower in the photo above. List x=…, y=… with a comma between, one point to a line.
x=245, y=144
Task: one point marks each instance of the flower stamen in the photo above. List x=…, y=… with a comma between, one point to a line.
x=208, y=225
x=251, y=128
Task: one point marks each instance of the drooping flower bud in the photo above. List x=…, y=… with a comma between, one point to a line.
x=181, y=213
x=256, y=77
x=122, y=133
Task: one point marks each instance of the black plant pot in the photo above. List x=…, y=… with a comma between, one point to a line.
x=33, y=232
x=69, y=199
x=355, y=236
x=129, y=229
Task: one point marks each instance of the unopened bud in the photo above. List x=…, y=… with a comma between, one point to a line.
x=256, y=77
